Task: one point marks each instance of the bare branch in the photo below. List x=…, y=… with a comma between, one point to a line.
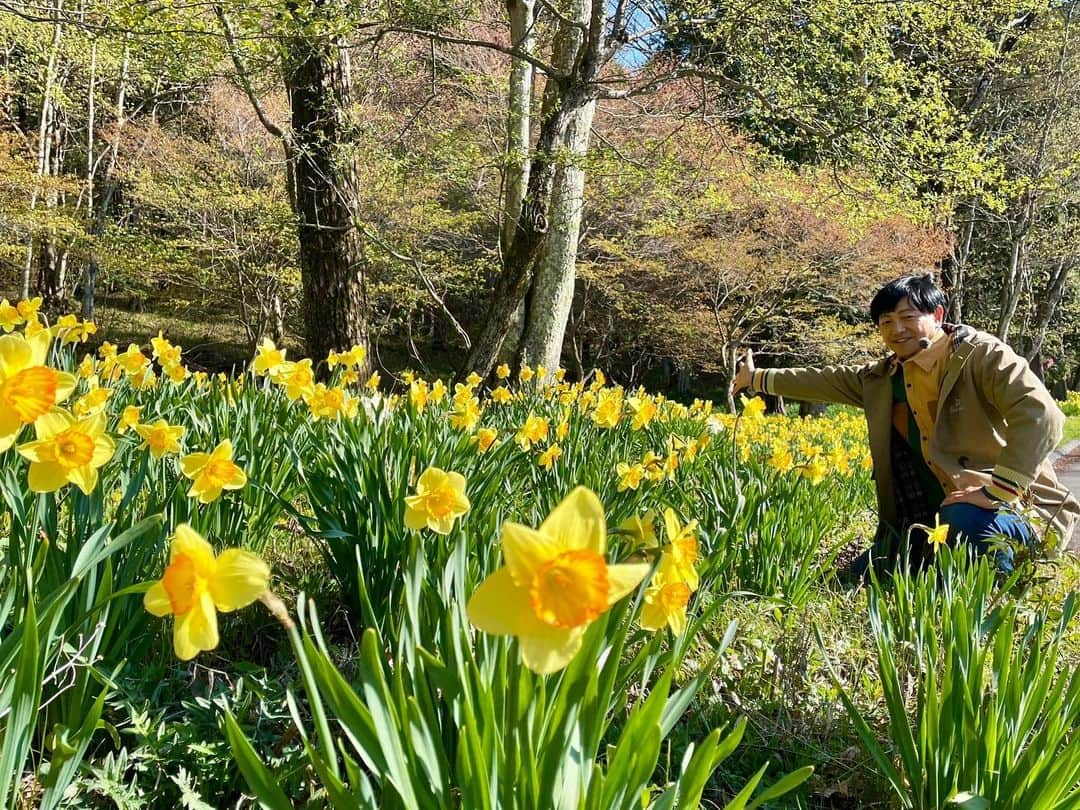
x=517, y=53
x=242, y=77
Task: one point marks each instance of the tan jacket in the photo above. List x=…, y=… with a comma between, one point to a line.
x=994, y=416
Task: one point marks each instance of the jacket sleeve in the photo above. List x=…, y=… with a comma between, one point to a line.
x=1033, y=421
x=839, y=384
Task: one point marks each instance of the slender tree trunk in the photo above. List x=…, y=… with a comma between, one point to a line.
x=1049, y=302
x=324, y=197
x=519, y=118
x=553, y=286
x=518, y=140
x=101, y=209
x=45, y=144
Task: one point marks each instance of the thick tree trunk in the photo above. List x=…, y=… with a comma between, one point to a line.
x=324, y=198
x=553, y=285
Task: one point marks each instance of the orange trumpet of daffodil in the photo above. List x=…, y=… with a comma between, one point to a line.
x=196, y=584
x=556, y=582
x=28, y=388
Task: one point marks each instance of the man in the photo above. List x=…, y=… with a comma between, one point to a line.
x=960, y=429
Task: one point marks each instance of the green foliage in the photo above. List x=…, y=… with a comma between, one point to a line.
x=994, y=714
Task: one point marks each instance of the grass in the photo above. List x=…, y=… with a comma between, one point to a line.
x=1072, y=430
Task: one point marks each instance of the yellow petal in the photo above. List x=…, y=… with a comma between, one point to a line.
x=223, y=452
x=624, y=578
x=38, y=344
x=191, y=464
x=196, y=630
x=414, y=518
x=500, y=607
x=240, y=579
x=578, y=522
x=84, y=477
x=156, y=600
x=431, y=478
x=208, y=494
x=65, y=384
x=237, y=480
x=550, y=650
x=15, y=355
x=46, y=476
x=6, y=440
x=104, y=447
x=441, y=525
x=32, y=450
x=190, y=543
x=525, y=550
x=457, y=483
x=57, y=420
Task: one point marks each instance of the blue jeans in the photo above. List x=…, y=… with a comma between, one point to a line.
x=971, y=524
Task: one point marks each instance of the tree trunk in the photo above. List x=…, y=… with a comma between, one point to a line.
x=324, y=197
x=519, y=118
x=1048, y=303
x=47, y=134
x=553, y=286
x=563, y=99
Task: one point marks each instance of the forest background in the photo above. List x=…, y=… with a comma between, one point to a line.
x=641, y=187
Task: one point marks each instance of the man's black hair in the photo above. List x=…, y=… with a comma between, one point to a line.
x=920, y=290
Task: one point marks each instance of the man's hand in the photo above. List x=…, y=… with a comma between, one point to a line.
x=744, y=372
x=973, y=495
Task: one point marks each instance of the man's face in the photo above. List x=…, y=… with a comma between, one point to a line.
x=902, y=328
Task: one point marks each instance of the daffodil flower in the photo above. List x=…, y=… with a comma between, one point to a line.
x=28, y=388
x=161, y=437
x=196, y=584
x=666, y=598
x=682, y=546
x=212, y=472
x=555, y=583
x=67, y=451
x=439, y=500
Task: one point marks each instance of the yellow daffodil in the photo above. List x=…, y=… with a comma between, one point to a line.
x=212, y=472
x=466, y=414
x=28, y=388
x=473, y=379
x=548, y=458
x=556, y=582
x=196, y=584
x=501, y=395
x=630, y=475
x=177, y=372
x=654, y=466
x=939, y=535
x=440, y=499
x=297, y=378
x=418, y=395
x=161, y=437
x=752, y=408
x=609, y=408
x=562, y=430
x=644, y=409
x=525, y=374
x=682, y=547
x=132, y=361
x=67, y=450
x=534, y=431
x=269, y=359
x=9, y=316
x=373, y=381
x=666, y=598
x=816, y=470
x=87, y=368
x=560, y=374
x=129, y=418
x=28, y=309
x=91, y=402
x=503, y=371
x=438, y=391
x=485, y=437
